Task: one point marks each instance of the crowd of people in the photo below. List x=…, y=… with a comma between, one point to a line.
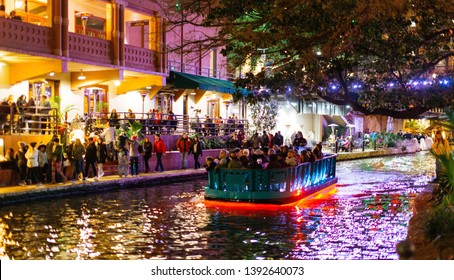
x=50, y=163
x=264, y=158
x=264, y=151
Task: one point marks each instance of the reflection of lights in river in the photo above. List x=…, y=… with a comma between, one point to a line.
x=363, y=217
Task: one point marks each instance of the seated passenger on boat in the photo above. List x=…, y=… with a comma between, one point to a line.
x=244, y=158
x=256, y=162
x=234, y=160
x=223, y=160
x=274, y=163
x=209, y=163
x=291, y=159
x=318, y=151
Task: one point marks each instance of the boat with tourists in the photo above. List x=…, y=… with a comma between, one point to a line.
x=275, y=186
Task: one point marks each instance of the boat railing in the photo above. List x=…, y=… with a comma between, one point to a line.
x=289, y=179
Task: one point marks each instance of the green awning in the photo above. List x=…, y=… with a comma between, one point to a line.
x=189, y=81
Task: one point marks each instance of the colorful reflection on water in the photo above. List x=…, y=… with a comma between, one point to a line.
x=363, y=217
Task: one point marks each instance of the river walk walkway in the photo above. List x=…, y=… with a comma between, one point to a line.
x=17, y=194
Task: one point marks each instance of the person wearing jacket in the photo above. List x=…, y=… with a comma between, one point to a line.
x=32, y=156
x=91, y=158
x=101, y=155
x=160, y=149
x=22, y=162
x=134, y=153
x=196, y=150
x=147, y=148
x=78, y=152
x=183, y=146
x=57, y=158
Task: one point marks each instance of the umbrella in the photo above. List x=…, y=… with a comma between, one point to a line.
x=350, y=126
x=332, y=126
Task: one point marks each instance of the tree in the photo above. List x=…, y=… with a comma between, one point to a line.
x=263, y=115
x=386, y=57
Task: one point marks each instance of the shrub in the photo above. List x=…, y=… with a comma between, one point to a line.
x=441, y=220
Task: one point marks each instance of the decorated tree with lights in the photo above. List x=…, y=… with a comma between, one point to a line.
x=388, y=57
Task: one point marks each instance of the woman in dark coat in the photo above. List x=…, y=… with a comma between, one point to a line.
x=196, y=150
x=90, y=158
x=147, y=148
x=101, y=155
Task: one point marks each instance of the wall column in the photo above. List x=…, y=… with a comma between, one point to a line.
x=57, y=27
x=113, y=32
x=121, y=23
x=65, y=28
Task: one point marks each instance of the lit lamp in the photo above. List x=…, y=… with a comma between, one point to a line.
x=84, y=18
x=81, y=75
x=333, y=125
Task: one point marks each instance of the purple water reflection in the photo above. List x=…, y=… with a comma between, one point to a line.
x=363, y=218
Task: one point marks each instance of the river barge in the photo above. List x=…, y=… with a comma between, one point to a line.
x=275, y=186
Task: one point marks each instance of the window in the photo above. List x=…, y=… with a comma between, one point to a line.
x=90, y=25
x=33, y=11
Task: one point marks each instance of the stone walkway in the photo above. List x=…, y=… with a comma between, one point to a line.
x=15, y=194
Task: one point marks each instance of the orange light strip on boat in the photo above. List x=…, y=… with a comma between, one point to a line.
x=323, y=194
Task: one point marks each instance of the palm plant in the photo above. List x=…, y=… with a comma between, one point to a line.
x=134, y=128
x=446, y=177
x=441, y=220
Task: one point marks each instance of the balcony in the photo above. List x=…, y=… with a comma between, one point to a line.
x=20, y=36
x=86, y=48
x=27, y=38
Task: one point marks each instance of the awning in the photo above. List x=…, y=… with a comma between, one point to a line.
x=327, y=120
x=189, y=81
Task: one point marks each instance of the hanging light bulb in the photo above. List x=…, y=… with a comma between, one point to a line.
x=81, y=76
x=19, y=4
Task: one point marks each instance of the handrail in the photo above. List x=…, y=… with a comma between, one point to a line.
x=177, y=124
x=30, y=119
x=288, y=179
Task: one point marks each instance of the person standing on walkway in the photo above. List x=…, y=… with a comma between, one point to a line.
x=22, y=162
x=78, y=153
x=101, y=155
x=160, y=149
x=57, y=158
x=109, y=136
x=42, y=162
x=134, y=153
x=147, y=148
x=196, y=150
x=123, y=154
x=90, y=158
x=183, y=146
x=32, y=156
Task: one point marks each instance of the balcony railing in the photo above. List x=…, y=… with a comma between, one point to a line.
x=89, y=48
x=27, y=120
x=25, y=36
x=140, y=58
x=201, y=71
x=177, y=124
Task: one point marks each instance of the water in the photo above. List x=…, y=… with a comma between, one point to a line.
x=362, y=218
